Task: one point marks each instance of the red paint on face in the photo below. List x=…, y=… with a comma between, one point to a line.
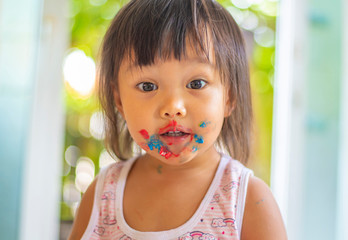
x=167, y=153
x=171, y=125
x=144, y=133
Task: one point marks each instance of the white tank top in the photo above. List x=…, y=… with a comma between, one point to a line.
x=219, y=216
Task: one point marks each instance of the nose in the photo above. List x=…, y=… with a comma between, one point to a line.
x=173, y=107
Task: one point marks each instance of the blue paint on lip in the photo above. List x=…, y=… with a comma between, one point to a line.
x=194, y=148
x=199, y=139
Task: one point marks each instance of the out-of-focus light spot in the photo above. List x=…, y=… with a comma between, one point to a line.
x=242, y=4
x=72, y=153
x=70, y=193
x=97, y=2
x=74, y=9
x=79, y=72
x=256, y=2
x=96, y=125
x=73, y=208
x=250, y=22
x=83, y=180
x=83, y=125
x=264, y=36
x=85, y=165
x=109, y=13
x=84, y=173
x=66, y=169
x=269, y=8
x=237, y=14
x=105, y=159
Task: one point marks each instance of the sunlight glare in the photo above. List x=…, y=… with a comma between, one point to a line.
x=96, y=125
x=79, y=72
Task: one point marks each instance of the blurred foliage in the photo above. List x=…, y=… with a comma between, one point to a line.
x=89, y=20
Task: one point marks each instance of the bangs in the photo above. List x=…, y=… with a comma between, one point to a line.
x=166, y=29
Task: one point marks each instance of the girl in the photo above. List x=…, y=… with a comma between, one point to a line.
x=174, y=80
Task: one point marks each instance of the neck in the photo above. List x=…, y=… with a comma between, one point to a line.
x=203, y=163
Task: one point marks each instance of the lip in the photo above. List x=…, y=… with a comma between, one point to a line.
x=173, y=126
x=170, y=140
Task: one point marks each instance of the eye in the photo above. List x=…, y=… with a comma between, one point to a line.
x=147, y=86
x=196, y=84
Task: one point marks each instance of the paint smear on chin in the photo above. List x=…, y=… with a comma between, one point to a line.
x=153, y=143
x=176, y=150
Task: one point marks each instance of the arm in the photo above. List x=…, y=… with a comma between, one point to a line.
x=83, y=213
x=262, y=219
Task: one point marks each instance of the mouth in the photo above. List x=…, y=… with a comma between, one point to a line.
x=175, y=134
x=176, y=138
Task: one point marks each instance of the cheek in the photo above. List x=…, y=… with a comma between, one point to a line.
x=210, y=126
x=213, y=104
x=207, y=126
x=209, y=130
x=144, y=134
x=137, y=118
x=212, y=117
x=137, y=129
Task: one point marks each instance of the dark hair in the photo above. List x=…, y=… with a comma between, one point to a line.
x=144, y=30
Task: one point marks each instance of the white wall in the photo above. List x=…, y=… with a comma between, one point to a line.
x=42, y=172
x=310, y=119
x=342, y=179
x=288, y=115
x=19, y=42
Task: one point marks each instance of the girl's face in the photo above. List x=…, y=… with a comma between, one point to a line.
x=174, y=109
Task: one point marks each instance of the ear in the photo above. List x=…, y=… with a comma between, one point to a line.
x=118, y=102
x=229, y=108
x=230, y=105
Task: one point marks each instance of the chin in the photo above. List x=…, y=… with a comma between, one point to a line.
x=176, y=160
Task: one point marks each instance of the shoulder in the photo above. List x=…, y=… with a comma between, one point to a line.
x=262, y=218
x=83, y=212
